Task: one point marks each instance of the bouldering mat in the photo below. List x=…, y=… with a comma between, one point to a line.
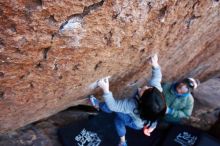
x=180, y=135
x=100, y=131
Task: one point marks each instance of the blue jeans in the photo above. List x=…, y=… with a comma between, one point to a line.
x=121, y=120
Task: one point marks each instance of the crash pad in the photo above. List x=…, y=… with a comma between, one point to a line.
x=100, y=130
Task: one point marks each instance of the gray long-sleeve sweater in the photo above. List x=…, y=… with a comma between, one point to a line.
x=128, y=105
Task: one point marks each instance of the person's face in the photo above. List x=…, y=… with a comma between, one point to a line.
x=182, y=88
x=141, y=90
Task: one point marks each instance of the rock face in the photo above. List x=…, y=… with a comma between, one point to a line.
x=44, y=132
x=51, y=51
x=206, y=110
x=208, y=93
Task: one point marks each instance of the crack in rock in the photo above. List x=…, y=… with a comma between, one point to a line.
x=33, y=4
x=45, y=52
x=2, y=74
x=191, y=19
x=2, y=95
x=97, y=65
x=162, y=13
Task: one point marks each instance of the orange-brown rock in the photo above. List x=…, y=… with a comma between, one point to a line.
x=51, y=50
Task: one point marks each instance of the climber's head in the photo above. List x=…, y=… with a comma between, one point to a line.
x=152, y=104
x=186, y=85
x=142, y=90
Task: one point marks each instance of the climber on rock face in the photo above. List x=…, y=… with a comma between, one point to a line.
x=139, y=112
x=179, y=100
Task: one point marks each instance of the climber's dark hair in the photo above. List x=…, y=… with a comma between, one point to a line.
x=152, y=105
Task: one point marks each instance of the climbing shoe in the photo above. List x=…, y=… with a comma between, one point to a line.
x=94, y=101
x=123, y=144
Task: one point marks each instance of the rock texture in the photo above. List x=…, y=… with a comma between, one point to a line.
x=206, y=111
x=208, y=93
x=44, y=132
x=51, y=51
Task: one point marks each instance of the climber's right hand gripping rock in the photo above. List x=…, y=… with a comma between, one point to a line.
x=104, y=84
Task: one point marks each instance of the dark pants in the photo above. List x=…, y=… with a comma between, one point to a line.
x=121, y=120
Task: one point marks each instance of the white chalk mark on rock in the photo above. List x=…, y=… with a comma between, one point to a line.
x=73, y=28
